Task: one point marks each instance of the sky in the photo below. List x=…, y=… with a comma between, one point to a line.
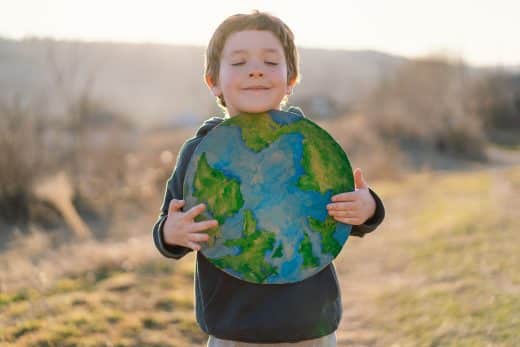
x=481, y=32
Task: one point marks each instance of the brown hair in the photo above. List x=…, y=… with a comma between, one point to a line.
x=255, y=21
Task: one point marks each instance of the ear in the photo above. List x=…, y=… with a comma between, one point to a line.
x=215, y=89
x=290, y=86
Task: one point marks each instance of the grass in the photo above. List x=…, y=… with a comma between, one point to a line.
x=465, y=260
x=447, y=257
x=152, y=306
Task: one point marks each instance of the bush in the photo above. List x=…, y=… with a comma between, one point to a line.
x=21, y=137
x=427, y=103
x=89, y=144
x=497, y=102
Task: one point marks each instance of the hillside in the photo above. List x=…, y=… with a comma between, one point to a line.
x=154, y=83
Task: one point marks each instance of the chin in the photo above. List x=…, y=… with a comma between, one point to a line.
x=257, y=109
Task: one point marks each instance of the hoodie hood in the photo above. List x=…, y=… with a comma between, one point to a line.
x=295, y=109
x=208, y=125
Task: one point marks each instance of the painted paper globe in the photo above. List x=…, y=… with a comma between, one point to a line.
x=267, y=178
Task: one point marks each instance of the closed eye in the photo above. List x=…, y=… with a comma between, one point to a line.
x=271, y=63
x=239, y=63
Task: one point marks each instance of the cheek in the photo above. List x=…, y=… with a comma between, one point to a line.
x=228, y=79
x=228, y=74
x=280, y=74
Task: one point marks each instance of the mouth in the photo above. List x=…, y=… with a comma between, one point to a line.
x=256, y=88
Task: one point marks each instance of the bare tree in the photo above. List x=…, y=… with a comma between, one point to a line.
x=98, y=137
x=73, y=82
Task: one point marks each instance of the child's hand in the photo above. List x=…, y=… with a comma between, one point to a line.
x=353, y=207
x=181, y=229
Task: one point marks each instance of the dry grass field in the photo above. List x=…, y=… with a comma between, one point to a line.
x=441, y=271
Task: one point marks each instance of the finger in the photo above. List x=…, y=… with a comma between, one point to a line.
x=195, y=211
x=205, y=225
x=342, y=206
x=349, y=214
x=198, y=237
x=175, y=205
x=193, y=245
x=350, y=196
x=359, y=180
x=348, y=220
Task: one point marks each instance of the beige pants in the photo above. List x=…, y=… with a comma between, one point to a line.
x=325, y=341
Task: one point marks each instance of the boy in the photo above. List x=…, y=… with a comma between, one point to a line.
x=252, y=66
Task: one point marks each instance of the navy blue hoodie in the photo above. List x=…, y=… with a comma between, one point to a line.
x=232, y=309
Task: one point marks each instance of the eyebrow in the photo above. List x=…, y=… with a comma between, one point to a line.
x=268, y=50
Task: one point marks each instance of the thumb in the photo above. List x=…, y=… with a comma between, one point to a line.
x=175, y=205
x=359, y=180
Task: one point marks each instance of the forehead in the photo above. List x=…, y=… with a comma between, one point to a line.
x=249, y=41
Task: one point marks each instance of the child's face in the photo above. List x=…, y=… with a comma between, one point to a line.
x=253, y=73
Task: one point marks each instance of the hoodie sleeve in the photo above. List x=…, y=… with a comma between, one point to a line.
x=373, y=222
x=174, y=190
x=174, y=187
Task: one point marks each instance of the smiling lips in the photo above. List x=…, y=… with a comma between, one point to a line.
x=256, y=88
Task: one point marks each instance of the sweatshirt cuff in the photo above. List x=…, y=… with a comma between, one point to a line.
x=169, y=251
x=373, y=222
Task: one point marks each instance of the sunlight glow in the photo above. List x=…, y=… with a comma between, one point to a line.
x=482, y=32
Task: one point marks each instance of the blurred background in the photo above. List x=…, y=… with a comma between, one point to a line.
x=97, y=97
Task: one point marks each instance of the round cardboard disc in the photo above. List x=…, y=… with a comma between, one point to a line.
x=267, y=178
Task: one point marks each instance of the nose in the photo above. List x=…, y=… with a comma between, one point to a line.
x=256, y=70
x=256, y=73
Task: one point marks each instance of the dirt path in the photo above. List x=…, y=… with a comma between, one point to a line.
x=370, y=266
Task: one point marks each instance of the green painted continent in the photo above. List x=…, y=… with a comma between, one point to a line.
x=324, y=161
x=326, y=229
x=305, y=249
x=253, y=246
x=258, y=130
x=221, y=194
